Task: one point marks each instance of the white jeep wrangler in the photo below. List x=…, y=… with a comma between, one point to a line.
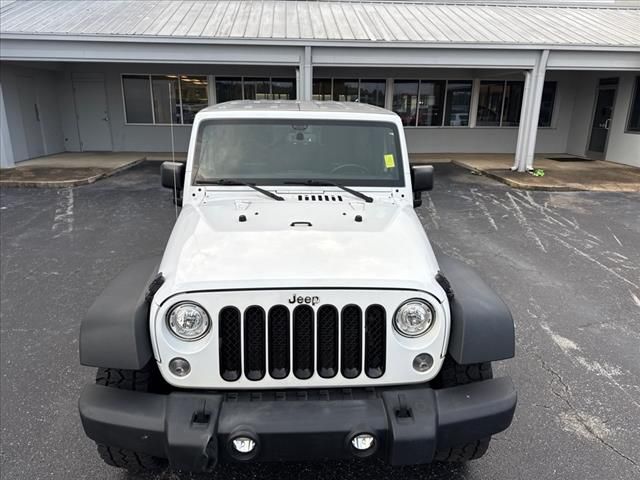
x=299, y=312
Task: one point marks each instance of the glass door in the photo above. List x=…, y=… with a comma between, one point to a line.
x=602, y=115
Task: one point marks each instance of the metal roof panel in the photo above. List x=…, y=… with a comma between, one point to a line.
x=430, y=23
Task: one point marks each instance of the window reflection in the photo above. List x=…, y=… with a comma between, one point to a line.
x=405, y=101
x=458, y=103
x=431, y=103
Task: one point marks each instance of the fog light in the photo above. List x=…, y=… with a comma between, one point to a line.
x=363, y=441
x=243, y=445
x=179, y=367
x=423, y=362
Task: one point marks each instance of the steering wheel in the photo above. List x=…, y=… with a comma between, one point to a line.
x=354, y=166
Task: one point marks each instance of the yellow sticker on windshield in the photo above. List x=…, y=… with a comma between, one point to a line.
x=389, y=161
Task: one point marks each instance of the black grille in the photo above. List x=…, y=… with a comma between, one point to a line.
x=279, y=344
x=303, y=341
x=327, y=341
x=230, y=343
x=375, y=341
x=254, y=343
x=351, y=341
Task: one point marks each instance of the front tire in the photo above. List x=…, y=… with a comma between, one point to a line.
x=146, y=380
x=452, y=375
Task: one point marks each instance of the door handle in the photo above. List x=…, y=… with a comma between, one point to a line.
x=606, y=123
x=35, y=107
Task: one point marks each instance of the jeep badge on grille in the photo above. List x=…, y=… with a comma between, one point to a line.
x=300, y=299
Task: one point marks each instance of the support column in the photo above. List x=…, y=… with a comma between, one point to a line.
x=306, y=75
x=530, y=114
x=7, y=159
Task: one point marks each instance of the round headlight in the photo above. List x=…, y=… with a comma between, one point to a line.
x=414, y=318
x=188, y=321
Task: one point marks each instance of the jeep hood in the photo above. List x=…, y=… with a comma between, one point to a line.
x=228, y=245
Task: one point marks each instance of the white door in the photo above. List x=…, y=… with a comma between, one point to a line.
x=93, y=115
x=30, y=116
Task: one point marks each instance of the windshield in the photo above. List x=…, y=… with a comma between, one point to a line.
x=277, y=152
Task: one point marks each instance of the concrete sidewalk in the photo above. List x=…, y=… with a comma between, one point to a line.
x=69, y=169
x=574, y=175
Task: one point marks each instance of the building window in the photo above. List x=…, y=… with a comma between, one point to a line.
x=137, y=99
x=322, y=89
x=405, y=101
x=546, y=106
x=194, y=96
x=634, y=112
x=163, y=99
x=247, y=88
x=432, y=103
x=500, y=103
x=350, y=90
x=458, y=103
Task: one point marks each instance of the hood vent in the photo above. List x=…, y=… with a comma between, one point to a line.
x=320, y=198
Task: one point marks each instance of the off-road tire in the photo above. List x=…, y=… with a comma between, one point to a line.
x=145, y=380
x=453, y=375
x=132, y=461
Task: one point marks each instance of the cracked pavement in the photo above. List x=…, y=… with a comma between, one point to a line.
x=567, y=264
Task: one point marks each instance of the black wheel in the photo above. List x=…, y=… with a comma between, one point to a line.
x=146, y=380
x=452, y=375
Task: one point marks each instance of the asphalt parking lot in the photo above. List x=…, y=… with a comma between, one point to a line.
x=568, y=265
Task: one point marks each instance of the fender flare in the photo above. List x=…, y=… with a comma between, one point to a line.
x=482, y=328
x=115, y=331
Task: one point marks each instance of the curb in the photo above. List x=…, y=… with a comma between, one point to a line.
x=68, y=183
x=543, y=188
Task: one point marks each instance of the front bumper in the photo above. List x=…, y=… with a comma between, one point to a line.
x=194, y=430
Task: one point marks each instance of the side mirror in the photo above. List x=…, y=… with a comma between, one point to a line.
x=422, y=181
x=172, y=175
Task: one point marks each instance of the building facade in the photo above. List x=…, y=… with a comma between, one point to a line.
x=99, y=75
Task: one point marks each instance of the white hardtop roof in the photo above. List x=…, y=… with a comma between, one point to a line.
x=513, y=24
x=255, y=106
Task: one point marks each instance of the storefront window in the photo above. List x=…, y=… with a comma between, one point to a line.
x=228, y=89
x=634, y=111
x=283, y=89
x=322, y=89
x=431, y=104
x=405, y=100
x=372, y=92
x=512, y=104
x=490, y=103
x=500, y=103
x=345, y=90
x=163, y=99
x=546, y=106
x=458, y=103
x=194, y=96
x=256, y=89
x=351, y=90
x=137, y=100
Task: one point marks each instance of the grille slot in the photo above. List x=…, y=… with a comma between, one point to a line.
x=303, y=342
x=279, y=343
x=351, y=341
x=375, y=341
x=254, y=343
x=327, y=341
x=230, y=343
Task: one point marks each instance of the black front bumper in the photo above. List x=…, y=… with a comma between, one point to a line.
x=194, y=430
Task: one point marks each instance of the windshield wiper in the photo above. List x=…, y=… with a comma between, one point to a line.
x=233, y=181
x=324, y=183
